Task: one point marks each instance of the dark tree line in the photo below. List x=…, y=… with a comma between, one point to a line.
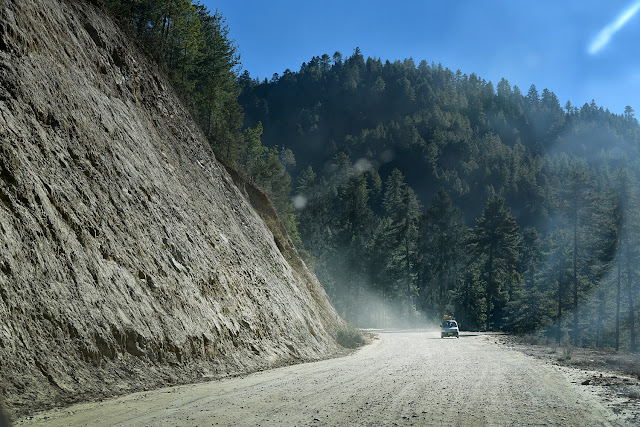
x=420, y=191
x=425, y=192
x=194, y=46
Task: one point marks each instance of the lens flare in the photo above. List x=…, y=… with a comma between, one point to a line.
x=604, y=36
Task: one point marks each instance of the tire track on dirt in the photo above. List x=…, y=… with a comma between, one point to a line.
x=403, y=378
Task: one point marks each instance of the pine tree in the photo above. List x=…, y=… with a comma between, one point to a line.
x=442, y=248
x=495, y=243
x=381, y=277
x=576, y=202
x=530, y=309
x=470, y=301
x=216, y=88
x=628, y=220
x=357, y=226
x=446, y=129
x=402, y=208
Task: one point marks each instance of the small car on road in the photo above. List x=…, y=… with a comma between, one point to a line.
x=449, y=328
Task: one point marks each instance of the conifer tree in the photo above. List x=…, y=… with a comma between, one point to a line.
x=402, y=207
x=496, y=243
x=452, y=130
x=530, y=307
x=628, y=221
x=442, y=249
x=576, y=202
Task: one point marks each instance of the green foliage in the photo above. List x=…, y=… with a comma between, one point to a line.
x=403, y=209
x=349, y=336
x=530, y=309
x=457, y=141
x=194, y=47
x=470, y=301
x=451, y=139
x=443, y=254
x=495, y=244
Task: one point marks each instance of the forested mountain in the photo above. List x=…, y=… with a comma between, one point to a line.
x=423, y=191
x=420, y=191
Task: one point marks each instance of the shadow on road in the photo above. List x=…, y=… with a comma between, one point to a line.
x=400, y=331
x=462, y=335
x=4, y=420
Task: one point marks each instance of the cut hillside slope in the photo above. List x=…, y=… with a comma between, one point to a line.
x=129, y=259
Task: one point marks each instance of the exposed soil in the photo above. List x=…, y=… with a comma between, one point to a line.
x=402, y=378
x=129, y=257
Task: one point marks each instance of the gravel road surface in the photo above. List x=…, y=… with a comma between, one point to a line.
x=402, y=378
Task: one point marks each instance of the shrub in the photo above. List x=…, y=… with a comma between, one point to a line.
x=567, y=352
x=349, y=336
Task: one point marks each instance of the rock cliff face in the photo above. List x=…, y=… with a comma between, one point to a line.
x=129, y=258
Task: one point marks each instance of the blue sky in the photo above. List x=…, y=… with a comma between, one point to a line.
x=579, y=49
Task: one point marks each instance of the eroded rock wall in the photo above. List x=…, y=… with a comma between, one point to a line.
x=128, y=257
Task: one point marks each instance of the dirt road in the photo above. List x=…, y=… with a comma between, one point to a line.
x=403, y=378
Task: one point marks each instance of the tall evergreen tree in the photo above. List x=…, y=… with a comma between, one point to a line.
x=357, y=227
x=442, y=245
x=628, y=220
x=576, y=202
x=530, y=309
x=402, y=207
x=495, y=243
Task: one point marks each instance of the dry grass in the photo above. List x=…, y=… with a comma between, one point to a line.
x=567, y=353
x=349, y=336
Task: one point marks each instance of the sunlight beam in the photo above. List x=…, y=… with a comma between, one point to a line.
x=604, y=36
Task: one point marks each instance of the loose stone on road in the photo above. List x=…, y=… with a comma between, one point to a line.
x=403, y=377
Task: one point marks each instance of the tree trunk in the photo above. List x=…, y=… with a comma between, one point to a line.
x=406, y=254
x=632, y=321
x=532, y=269
x=384, y=309
x=209, y=109
x=559, y=299
x=165, y=26
x=490, y=290
x=599, y=315
x=618, y=311
x=575, y=279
